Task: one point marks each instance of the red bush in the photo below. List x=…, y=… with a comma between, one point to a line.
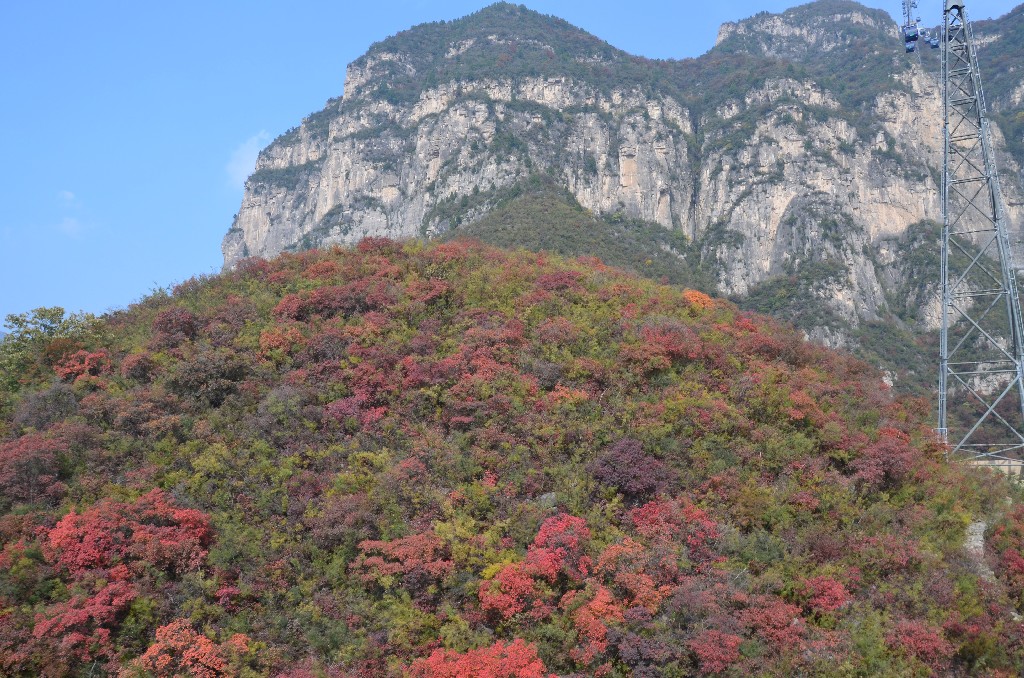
x=885, y=462
x=560, y=281
x=921, y=640
x=85, y=625
x=663, y=520
x=513, y=590
x=672, y=339
x=151, y=530
x=83, y=363
x=825, y=594
x=326, y=302
x=517, y=659
x=778, y=623
x=138, y=366
x=28, y=469
x=284, y=339
x=384, y=561
x=557, y=331
x=560, y=546
x=590, y=620
x=378, y=245
x=698, y=301
x=322, y=270
x=180, y=651
x=716, y=651
x=174, y=325
x=627, y=467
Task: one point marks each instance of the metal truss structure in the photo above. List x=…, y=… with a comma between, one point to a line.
x=909, y=16
x=981, y=389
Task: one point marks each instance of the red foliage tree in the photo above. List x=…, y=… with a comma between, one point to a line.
x=174, y=325
x=403, y=560
x=150, y=530
x=84, y=625
x=517, y=659
x=29, y=467
x=180, y=651
x=82, y=364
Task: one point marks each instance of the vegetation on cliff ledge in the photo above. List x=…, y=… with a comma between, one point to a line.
x=454, y=460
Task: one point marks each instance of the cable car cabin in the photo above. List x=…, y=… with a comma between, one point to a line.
x=910, y=33
x=910, y=46
x=934, y=42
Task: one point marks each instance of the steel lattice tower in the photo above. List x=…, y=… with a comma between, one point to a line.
x=908, y=12
x=981, y=390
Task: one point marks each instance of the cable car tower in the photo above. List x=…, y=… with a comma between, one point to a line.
x=981, y=345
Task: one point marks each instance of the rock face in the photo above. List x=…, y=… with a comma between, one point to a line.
x=804, y=143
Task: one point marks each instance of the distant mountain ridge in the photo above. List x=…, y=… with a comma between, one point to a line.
x=798, y=160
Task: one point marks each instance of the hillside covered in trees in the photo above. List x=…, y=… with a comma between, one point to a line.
x=451, y=460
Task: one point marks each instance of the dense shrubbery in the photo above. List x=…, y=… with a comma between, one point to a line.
x=453, y=460
x=537, y=215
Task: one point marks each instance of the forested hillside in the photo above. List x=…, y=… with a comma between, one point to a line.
x=451, y=459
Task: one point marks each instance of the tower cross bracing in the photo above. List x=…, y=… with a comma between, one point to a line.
x=981, y=386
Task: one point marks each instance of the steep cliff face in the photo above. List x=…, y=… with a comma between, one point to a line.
x=804, y=144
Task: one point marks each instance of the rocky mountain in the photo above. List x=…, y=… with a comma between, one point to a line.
x=795, y=165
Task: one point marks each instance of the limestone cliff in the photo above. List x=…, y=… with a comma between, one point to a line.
x=804, y=143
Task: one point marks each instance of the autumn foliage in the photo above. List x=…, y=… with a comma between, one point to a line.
x=513, y=660
x=450, y=460
x=150, y=530
x=180, y=651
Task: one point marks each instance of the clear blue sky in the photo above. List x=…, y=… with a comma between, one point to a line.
x=127, y=128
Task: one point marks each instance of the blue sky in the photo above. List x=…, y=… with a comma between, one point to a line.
x=127, y=129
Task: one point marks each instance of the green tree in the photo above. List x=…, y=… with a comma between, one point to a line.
x=30, y=334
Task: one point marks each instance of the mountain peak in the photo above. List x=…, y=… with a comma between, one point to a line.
x=501, y=24
x=817, y=27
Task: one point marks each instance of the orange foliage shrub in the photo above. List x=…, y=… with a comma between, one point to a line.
x=697, y=300
x=180, y=651
x=517, y=659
